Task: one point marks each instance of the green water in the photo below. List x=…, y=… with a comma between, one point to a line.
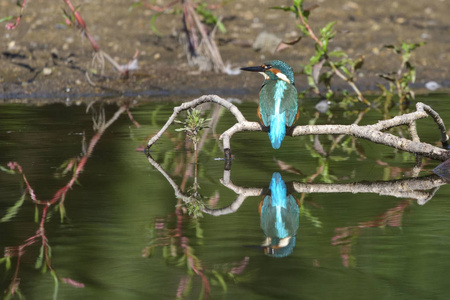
x=124, y=237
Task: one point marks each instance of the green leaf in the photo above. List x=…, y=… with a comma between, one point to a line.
x=6, y=18
x=329, y=95
x=303, y=29
x=337, y=53
x=327, y=31
x=62, y=211
x=338, y=158
x=134, y=5
x=316, y=58
x=181, y=261
x=285, y=8
x=298, y=3
x=220, y=279
x=209, y=17
x=56, y=281
x=12, y=211
x=346, y=71
x=152, y=24
x=6, y=170
x=40, y=258
x=198, y=231
x=411, y=47
x=36, y=214
x=8, y=263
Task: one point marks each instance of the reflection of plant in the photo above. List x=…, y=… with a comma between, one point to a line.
x=177, y=251
x=345, y=237
x=42, y=216
x=43, y=261
x=399, y=81
x=194, y=205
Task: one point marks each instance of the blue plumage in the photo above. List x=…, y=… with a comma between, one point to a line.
x=277, y=99
x=277, y=129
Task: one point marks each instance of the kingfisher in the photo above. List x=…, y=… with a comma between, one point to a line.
x=278, y=106
x=279, y=212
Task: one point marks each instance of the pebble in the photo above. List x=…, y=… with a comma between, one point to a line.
x=47, y=71
x=432, y=85
x=11, y=45
x=323, y=106
x=400, y=20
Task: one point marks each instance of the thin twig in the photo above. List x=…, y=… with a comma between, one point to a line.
x=349, y=81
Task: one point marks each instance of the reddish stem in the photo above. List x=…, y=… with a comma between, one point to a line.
x=12, y=26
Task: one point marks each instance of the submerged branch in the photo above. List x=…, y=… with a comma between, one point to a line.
x=372, y=133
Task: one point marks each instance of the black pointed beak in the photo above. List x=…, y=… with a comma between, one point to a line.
x=254, y=69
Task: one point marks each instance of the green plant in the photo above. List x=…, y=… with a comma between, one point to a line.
x=324, y=64
x=193, y=124
x=399, y=80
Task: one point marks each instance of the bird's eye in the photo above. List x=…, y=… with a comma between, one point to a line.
x=267, y=67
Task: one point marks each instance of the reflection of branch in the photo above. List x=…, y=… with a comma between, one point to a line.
x=175, y=186
x=242, y=192
x=422, y=189
x=372, y=133
x=405, y=188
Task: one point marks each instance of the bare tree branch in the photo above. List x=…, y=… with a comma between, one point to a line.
x=372, y=133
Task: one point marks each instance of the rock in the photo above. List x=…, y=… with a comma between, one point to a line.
x=266, y=42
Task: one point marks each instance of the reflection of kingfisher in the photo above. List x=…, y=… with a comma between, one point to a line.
x=277, y=99
x=279, y=219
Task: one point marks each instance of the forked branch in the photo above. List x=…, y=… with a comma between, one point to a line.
x=374, y=132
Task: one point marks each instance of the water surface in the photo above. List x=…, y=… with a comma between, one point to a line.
x=125, y=235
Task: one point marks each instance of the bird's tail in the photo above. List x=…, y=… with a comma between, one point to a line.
x=277, y=129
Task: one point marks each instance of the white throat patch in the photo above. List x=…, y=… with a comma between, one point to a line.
x=265, y=75
x=283, y=77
